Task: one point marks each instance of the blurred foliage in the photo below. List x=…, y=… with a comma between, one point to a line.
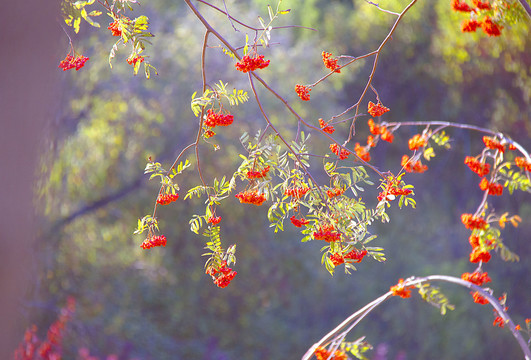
x=159, y=304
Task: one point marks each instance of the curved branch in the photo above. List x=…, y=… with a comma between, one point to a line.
x=360, y=314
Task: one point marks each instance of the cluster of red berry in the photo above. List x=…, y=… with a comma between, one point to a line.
x=479, y=299
x=381, y=130
x=326, y=233
x=251, y=197
x=330, y=63
x=134, y=60
x=394, y=190
x=401, y=289
x=222, y=276
x=248, y=63
x=521, y=162
x=71, y=62
x=356, y=255
x=417, y=142
x=297, y=192
x=116, y=27
x=473, y=222
x=258, y=174
x=322, y=354
x=342, y=153
x=165, y=199
x=159, y=240
x=492, y=188
x=303, y=92
x=325, y=127
x=478, y=254
x=470, y=25
x=298, y=222
x=493, y=144
x=214, y=220
x=476, y=166
x=337, y=259
x=335, y=192
x=376, y=109
x=478, y=278
x=218, y=119
x=411, y=166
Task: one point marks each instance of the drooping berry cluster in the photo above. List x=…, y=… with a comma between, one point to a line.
x=417, y=142
x=394, y=190
x=356, y=255
x=375, y=129
x=322, y=354
x=476, y=166
x=297, y=192
x=410, y=166
x=150, y=242
x=218, y=118
x=470, y=25
x=326, y=233
x=401, y=289
x=135, y=59
x=298, y=222
x=303, y=92
x=521, y=162
x=214, y=220
x=116, y=28
x=342, y=153
x=478, y=254
x=492, y=188
x=165, y=199
x=362, y=152
x=325, y=127
x=251, y=197
x=479, y=299
x=493, y=144
x=71, y=62
x=477, y=277
x=222, y=276
x=248, y=63
x=332, y=193
x=258, y=174
x=473, y=222
x=376, y=109
x=337, y=259
x=330, y=63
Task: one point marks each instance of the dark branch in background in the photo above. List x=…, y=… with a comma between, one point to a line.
x=102, y=202
x=526, y=7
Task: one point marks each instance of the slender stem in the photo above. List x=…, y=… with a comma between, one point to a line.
x=203, y=74
x=375, y=63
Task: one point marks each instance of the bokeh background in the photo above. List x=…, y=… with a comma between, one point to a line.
x=89, y=133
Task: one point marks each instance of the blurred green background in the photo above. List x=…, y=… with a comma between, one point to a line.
x=159, y=304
